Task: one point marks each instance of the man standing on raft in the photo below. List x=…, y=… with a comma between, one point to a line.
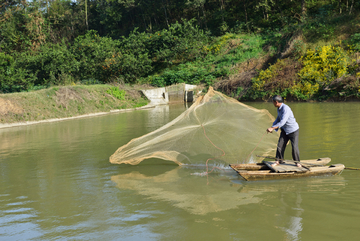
x=289, y=130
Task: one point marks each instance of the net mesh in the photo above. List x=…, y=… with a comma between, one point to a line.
x=215, y=127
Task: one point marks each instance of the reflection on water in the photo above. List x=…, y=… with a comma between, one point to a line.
x=294, y=226
x=289, y=215
x=191, y=193
x=280, y=203
x=185, y=191
x=155, y=115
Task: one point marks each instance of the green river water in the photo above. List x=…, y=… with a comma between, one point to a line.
x=56, y=183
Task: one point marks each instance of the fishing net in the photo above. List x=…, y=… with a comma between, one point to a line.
x=215, y=127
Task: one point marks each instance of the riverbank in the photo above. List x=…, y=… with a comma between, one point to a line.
x=80, y=101
x=67, y=102
x=7, y=125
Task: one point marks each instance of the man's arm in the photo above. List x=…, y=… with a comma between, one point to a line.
x=271, y=129
x=280, y=122
x=284, y=117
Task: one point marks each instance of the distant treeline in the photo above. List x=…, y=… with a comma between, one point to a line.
x=55, y=42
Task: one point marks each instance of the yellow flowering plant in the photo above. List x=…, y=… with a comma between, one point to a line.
x=216, y=47
x=323, y=65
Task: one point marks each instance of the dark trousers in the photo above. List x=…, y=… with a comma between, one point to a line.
x=283, y=140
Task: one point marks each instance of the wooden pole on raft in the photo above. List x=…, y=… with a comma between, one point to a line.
x=352, y=168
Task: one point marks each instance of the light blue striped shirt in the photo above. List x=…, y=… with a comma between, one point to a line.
x=285, y=120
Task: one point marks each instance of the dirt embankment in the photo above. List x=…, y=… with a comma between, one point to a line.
x=58, y=103
x=6, y=107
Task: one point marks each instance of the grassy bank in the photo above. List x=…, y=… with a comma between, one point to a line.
x=67, y=101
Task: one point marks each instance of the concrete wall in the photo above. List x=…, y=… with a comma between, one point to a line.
x=173, y=93
x=157, y=96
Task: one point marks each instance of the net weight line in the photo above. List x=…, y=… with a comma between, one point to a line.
x=207, y=168
x=247, y=159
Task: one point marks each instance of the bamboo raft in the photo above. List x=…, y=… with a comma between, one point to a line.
x=263, y=166
x=287, y=169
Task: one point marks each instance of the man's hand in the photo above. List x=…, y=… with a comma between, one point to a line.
x=271, y=129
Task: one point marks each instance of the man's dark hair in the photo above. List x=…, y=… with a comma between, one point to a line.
x=278, y=98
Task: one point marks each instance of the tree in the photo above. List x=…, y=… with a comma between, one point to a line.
x=199, y=5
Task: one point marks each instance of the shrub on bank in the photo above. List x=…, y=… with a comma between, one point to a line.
x=323, y=65
x=279, y=78
x=13, y=76
x=318, y=74
x=54, y=64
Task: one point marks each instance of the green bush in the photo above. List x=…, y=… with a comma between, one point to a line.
x=117, y=93
x=21, y=28
x=105, y=59
x=185, y=73
x=355, y=42
x=13, y=77
x=53, y=64
x=278, y=79
x=92, y=53
x=180, y=42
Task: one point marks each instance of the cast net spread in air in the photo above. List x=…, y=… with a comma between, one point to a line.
x=215, y=127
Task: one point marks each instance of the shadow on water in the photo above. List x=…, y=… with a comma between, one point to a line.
x=148, y=168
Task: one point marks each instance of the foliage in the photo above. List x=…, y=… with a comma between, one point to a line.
x=185, y=73
x=101, y=59
x=323, y=73
x=298, y=46
x=117, y=93
x=65, y=19
x=216, y=46
x=92, y=53
x=179, y=42
x=304, y=90
x=323, y=65
x=44, y=43
x=13, y=77
x=223, y=54
x=23, y=28
x=320, y=67
x=53, y=64
x=277, y=79
x=106, y=59
x=355, y=42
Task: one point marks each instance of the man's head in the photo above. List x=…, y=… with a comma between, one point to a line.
x=277, y=100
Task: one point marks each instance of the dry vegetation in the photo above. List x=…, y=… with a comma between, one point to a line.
x=246, y=71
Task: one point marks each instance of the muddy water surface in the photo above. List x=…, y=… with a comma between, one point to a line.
x=56, y=184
